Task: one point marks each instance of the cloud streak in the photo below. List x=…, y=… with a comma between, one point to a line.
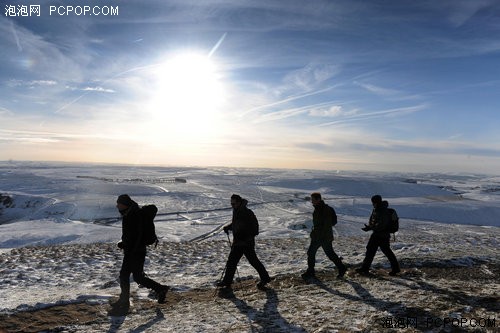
x=385, y=113
x=286, y=100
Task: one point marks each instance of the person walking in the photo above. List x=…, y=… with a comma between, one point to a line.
x=379, y=223
x=324, y=217
x=134, y=252
x=245, y=227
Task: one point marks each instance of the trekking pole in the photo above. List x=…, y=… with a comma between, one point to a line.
x=220, y=279
x=222, y=275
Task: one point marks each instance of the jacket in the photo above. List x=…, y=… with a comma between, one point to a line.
x=132, y=230
x=322, y=222
x=380, y=218
x=244, y=225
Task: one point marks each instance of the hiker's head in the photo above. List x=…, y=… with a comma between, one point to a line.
x=315, y=198
x=376, y=200
x=123, y=202
x=236, y=201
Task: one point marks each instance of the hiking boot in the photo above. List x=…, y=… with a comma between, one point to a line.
x=362, y=271
x=342, y=271
x=263, y=283
x=394, y=272
x=162, y=294
x=308, y=274
x=122, y=302
x=223, y=284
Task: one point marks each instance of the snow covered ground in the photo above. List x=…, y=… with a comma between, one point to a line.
x=59, y=264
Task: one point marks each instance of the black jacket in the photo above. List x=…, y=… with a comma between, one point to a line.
x=380, y=218
x=131, y=229
x=244, y=225
x=322, y=222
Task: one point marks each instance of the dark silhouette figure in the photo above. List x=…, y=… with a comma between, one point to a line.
x=324, y=217
x=245, y=227
x=379, y=223
x=134, y=252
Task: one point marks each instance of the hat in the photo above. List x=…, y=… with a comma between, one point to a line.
x=125, y=200
x=236, y=198
x=376, y=199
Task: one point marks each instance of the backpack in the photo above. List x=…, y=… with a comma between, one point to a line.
x=148, y=214
x=334, y=216
x=254, y=224
x=393, y=220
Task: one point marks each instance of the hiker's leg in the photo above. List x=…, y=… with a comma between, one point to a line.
x=125, y=272
x=139, y=275
x=256, y=263
x=371, y=250
x=143, y=280
x=232, y=262
x=124, y=287
x=311, y=255
x=330, y=253
x=385, y=246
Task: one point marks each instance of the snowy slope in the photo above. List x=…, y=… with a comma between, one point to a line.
x=59, y=225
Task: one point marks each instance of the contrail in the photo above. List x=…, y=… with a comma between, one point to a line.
x=71, y=103
x=216, y=46
x=364, y=116
x=289, y=99
x=14, y=32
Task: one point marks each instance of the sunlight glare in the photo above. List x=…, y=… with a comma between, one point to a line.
x=188, y=96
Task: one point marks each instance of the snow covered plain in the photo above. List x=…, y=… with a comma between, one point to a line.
x=59, y=263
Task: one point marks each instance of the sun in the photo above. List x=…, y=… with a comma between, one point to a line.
x=188, y=95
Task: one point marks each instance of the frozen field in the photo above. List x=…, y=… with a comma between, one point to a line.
x=59, y=265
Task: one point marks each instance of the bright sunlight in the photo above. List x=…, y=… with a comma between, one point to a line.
x=188, y=97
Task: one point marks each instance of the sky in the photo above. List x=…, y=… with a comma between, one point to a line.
x=335, y=85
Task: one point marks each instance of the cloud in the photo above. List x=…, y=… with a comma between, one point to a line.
x=35, y=137
x=377, y=89
x=35, y=53
x=31, y=83
x=331, y=111
x=42, y=83
x=461, y=11
x=16, y=38
x=287, y=100
x=308, y=78
x=361, y=117
x=362, y=144
x=280, y=115
x=5, y=111
x=98, y=89
x=325, y=109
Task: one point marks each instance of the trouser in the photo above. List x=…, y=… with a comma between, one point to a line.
x=234, y=257
x=133, y=263
x=327, y=247
x=381, y=240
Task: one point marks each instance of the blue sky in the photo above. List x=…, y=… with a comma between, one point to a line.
x=365, y=85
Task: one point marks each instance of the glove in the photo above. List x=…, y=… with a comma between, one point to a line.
x=226, y=230
x=366, y=228
x=120, y=245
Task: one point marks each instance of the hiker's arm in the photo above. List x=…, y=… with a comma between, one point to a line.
x=228, y=227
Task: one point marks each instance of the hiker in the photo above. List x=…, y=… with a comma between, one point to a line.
x=379, y=223
x=134, y=250
x=324, y=217
x=245, y=227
